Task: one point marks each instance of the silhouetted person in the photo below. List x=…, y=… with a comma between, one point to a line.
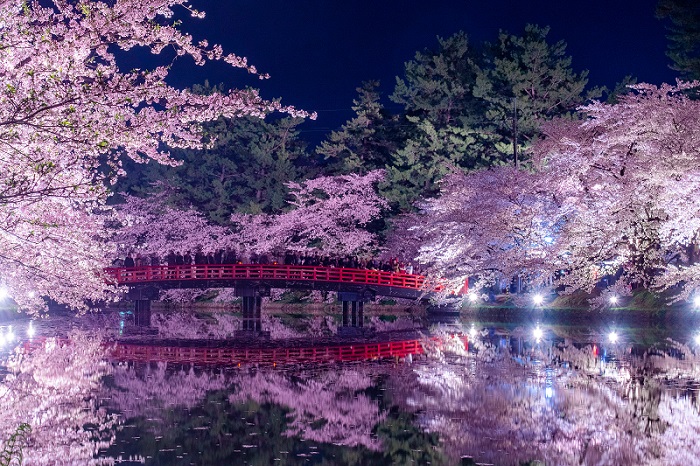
x=129, y=261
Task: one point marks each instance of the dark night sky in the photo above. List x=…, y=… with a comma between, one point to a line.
x=318, y=52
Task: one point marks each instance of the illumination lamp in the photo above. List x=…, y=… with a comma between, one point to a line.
x=538, y=299
x=613, y=337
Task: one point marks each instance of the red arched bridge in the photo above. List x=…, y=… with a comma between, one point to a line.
x=367, y=283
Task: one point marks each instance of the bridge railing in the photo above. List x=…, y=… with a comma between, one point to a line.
x=160, y=273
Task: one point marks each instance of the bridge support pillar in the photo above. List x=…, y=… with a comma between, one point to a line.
x=252, y=313
x=142, y=313
x=251, y=308
x=353, y=308
x=346, y=313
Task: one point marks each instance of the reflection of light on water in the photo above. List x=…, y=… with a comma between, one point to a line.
x=537, y=333
x=30, y=330
x=549, y=382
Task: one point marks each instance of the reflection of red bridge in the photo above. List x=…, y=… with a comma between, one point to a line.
x=228, y=356
x=273, y=276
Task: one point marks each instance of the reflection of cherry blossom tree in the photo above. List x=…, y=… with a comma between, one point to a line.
x=148, y=390
x=325, y=407
x=54, y=389
x=500, y=410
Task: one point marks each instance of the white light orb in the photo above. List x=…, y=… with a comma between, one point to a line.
x=472, y=332
x=538, y=299
x=3, y=293
x=30, y=330
x=696, y=301
x=473, y=297
x=613, y=300
x=613, y=337
x=697, y=339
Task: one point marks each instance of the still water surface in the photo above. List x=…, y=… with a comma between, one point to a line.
x=534, y=391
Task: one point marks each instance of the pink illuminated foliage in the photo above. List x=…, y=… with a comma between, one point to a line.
x=328, y=214
x=54, y=388
x=69, y=114
x=490, y=223
x=615, y=191
x=150, y=226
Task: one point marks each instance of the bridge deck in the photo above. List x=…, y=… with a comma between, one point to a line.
x=274, y=276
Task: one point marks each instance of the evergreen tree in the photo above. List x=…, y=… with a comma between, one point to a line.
x=244, y=170
x=459, y=105
x=683, y=35
x=366, y=141
x=438, y=85
x=526, y=79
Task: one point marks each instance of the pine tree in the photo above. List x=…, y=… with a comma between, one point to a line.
x=683, y=35
x=366, y=141
x=530, y=79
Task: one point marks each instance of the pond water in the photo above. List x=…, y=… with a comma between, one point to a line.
x=192, y=389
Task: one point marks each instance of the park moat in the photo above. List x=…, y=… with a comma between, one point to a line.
x=481, y=387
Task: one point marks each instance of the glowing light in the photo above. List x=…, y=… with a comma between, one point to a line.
x=472, y=332
x=473, y=297
x=30, y=330
x=613, y=337
x=697, y=339
x=3, y=293
x=538, y=299
x=696, y=301
x=538, y=334
x=9, y=336
x=613, y=299
x=548, y=392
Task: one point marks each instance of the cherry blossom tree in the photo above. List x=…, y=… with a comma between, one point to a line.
x=150, y=226
x=491, y=224
x=328, y=214
x=69, y=114
x=615, y=191
x=628, y=178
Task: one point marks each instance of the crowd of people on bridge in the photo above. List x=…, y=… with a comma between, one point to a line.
x=230, y=256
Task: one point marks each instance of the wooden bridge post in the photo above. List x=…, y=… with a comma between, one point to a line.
x=142, y=313
x=354, y=307
x=251, y=308
x=345, y=313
